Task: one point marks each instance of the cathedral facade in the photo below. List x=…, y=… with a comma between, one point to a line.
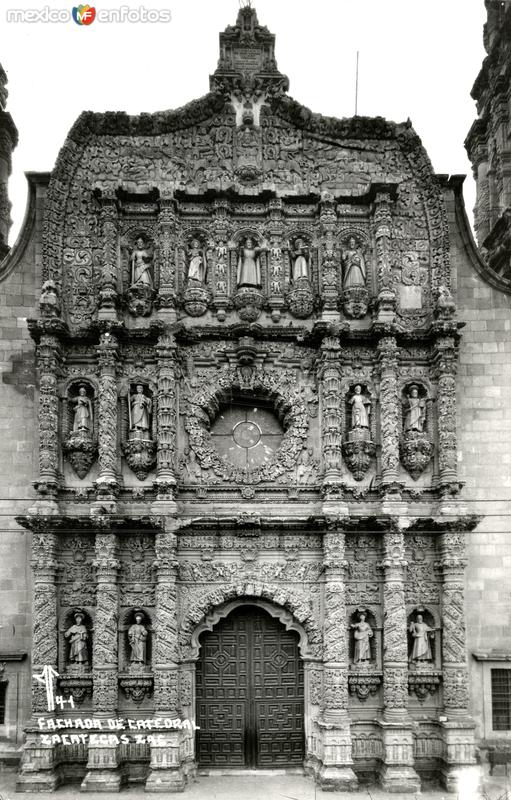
x=257, y=501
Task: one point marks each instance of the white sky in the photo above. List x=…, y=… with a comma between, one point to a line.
x=417, y=60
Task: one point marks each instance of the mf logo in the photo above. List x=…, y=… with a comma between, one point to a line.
x=84, y=15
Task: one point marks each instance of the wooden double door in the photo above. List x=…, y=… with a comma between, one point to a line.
x=249, y=688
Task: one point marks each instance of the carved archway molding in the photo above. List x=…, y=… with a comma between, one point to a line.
x=218, y=604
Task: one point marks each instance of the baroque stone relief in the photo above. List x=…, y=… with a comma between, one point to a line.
x=201, y=408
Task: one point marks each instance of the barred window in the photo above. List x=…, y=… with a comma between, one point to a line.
x=501, y=699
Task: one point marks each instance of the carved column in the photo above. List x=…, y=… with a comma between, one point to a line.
x=390, y=420
x=166, y=416
x=331, y=416
x=386, y=298
x=103, y=770
x=166, y=300
x=166, y=773
x=221, y=277
x=276, y=281
x=107, y=484
x=397, y=773
x=336, y=772
x=38, y=769
x=445, y=363
x=48, y=360
x=458, y=729
x=329, y=263
x=108, y=296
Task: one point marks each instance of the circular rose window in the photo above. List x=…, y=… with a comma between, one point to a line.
x=248, y=435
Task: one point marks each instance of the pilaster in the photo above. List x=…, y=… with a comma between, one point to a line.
x=166, y=419
x=166, y=300
x=331, y=416
x=336, y=772
x=458, y=728
x=39, y=763
x=48, y=355
x=103, y=768
x=166, y=773
x=397, y=773
x=445, y=363
x=108, y=298
x=107, y=483
x=389, y=415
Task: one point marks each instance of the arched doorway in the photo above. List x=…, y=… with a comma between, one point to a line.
x=250, y=693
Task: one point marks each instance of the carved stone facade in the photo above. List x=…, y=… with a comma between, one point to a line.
x=247, y=349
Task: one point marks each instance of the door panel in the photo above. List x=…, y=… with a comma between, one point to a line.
x=249, y=694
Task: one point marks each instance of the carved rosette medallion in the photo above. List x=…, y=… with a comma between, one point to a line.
x=300, y=299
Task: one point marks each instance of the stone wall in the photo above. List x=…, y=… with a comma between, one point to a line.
x=18, y=289
x=484, y=446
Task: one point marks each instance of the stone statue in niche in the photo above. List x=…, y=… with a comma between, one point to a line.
x=249, y=264
x=355, y=297
x=360, y=408
x=140, y=449
x=196, y=295
x=140, y=414
x=358, y=449
x=300, y=261
x=421, y=635
x=249, y=299
x=79, y=447
x=197, y=266
x=140, y=294
x=300, y=298
x=363, y=633
x=137, y=637
x=416, y=449
x=77, y=635
x=415, y=411
x=353, y=264
x=141, y=261
x=83, y=420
